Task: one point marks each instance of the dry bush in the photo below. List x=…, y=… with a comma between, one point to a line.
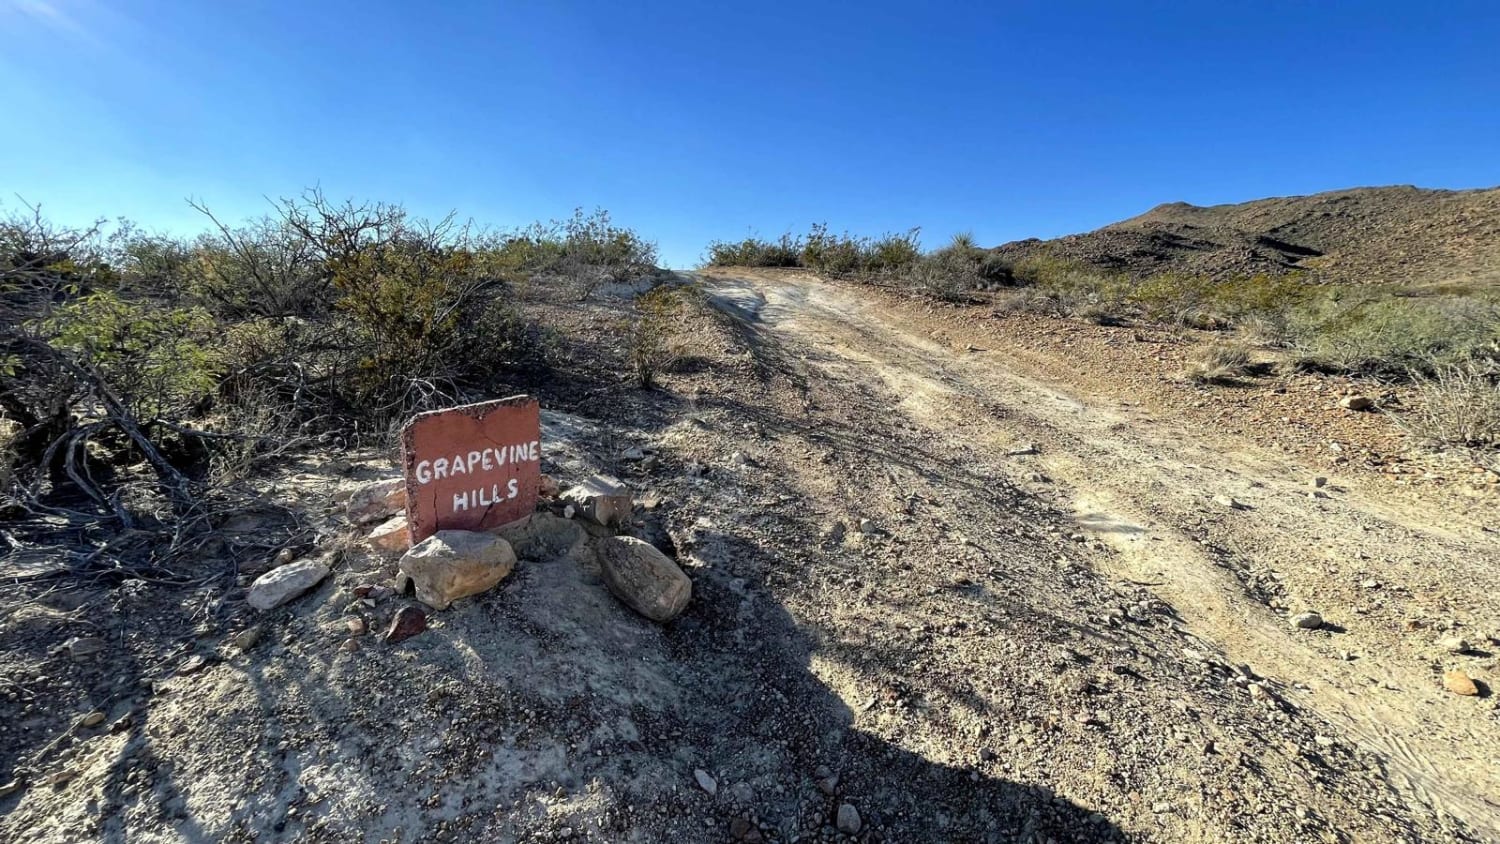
x=1458, y=406
x=651, y=331
x=1217, y=363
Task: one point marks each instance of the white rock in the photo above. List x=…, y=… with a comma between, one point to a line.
x=453, y=564
x=645, y=579
x=1454, y=644
x=1226, y=501
x=284, y=583
x=706, y=782
x=1307, y=621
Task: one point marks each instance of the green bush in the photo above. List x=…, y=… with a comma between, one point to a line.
x=161, y=362
x=1377, y=331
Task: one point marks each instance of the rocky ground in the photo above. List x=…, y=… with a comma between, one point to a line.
x=1398, y=234
x=955, y=578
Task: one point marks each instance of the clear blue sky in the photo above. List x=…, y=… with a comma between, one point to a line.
x=694, y=121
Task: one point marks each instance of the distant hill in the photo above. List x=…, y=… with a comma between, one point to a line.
x=1399, y=234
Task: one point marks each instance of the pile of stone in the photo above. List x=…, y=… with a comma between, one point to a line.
x=580, y=523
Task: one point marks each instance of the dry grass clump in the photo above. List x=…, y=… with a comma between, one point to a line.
x=1458, y=406
x=1218, y=363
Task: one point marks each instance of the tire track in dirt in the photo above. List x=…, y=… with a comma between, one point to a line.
x=1146, y=487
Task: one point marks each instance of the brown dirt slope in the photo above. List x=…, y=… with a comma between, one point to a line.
x=1400, y=234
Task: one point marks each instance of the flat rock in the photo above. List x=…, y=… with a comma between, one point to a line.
x=391, y=536
x=453, y=564
x=645, y=579
x=282, y=584
x=377, y=500
x=602, y=499
x=1226, y=501
x=706, y=782
x=79, y=647
x=1459, y=683
x=1454, y=644
x=1356, y=403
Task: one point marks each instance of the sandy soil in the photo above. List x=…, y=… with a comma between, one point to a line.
x=943, y=576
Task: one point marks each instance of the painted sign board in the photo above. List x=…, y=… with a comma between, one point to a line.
x=473, y=467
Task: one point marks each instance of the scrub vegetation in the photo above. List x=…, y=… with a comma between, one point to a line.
x=141, y=374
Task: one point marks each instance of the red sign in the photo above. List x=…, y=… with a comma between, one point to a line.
x=473, y=467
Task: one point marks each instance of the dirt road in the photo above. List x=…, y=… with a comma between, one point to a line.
x=1390, y=574
x=947, y=587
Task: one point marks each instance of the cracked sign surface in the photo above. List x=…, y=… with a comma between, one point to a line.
x=473, y=467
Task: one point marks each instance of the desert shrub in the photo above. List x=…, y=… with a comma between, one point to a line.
x=588, y=250
x=786, y=251
x=1377, y=332
x=271, y=266
x=651, y=331
x=1458, y=404
x=161, y=362
x=892, y=253
x=1217, y=363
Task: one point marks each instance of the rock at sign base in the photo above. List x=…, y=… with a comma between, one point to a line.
x=645, y=579
x=284, y=583
x=1460, y=683
x=408, y=622
x=602, y=499
x=377, y=500
x=391, y=536
x=453, y=564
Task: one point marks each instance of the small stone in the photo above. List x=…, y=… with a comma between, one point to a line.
x=349, y=645
x=848, y=819
x=706, y=782
x=408, y=622
x=391, y=536
x=1226, y=501
x=246, y=639
x=9, y=788
x=356, y=626
x=1307, y=621
x=1459, y=683
x=986, y=755
x=1454, y=644
x=867, y=526
x=82, y=646
x=1024, y=450
x=1318, y=482
x=284, y=556
x=284, y=583
x=1356, y=402
x=1161, y=808
x=548, y=487
x=829, y=785
x=93, y=719
x=61, y=778
x=377, y=500
x=601, y=499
